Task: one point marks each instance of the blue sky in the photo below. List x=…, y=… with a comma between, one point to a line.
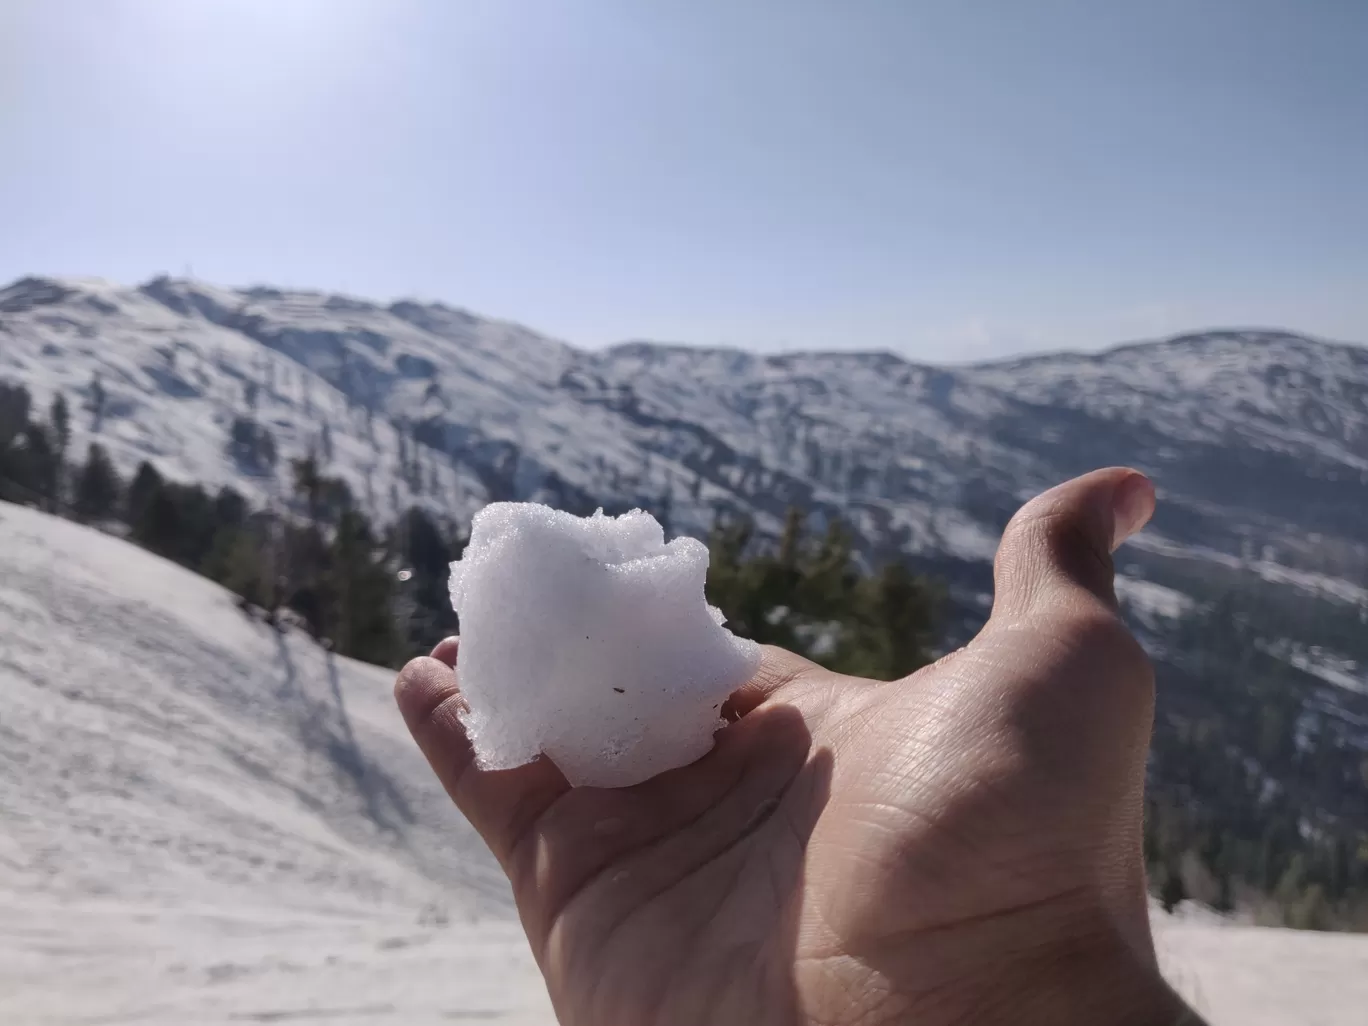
x=951, y=180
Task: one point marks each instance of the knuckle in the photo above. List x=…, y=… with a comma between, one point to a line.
x=403, y=683
x=422, y=687
x=1025, y=530
x=1052, y=543
x=1018, y=552
x=1037, y=536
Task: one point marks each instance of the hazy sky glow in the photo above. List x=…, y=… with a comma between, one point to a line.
x=951, y=180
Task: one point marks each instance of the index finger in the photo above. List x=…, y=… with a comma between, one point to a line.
x=501, y=804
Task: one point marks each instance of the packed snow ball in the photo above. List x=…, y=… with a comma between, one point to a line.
x=588, y=639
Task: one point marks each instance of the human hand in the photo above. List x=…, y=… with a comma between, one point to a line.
x=962, y=845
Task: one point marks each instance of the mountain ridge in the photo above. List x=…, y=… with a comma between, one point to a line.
x=498, y=408
x=343, y=301
x=1253, y=333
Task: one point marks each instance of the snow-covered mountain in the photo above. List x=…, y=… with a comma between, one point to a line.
x=1258, y=440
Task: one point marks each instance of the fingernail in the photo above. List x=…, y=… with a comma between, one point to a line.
x=446, y=650
x=1132, y=506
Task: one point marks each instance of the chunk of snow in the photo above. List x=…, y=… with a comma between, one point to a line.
x=589, y=640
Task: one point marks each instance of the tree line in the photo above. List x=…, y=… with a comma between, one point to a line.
x=317, y=559
x=379, y=593
x=808, y=594
x=1257, y=797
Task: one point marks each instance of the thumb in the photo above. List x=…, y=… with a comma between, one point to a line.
x=1058, y=548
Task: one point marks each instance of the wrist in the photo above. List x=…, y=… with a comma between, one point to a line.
x=1052, y=971
x=1094, y=981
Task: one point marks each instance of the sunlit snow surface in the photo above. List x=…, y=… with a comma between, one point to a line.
x=588, y=639
x=203, y=821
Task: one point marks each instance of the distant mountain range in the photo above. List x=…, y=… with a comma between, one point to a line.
x=1257, y=440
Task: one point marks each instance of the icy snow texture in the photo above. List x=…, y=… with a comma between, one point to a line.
x=588, y=639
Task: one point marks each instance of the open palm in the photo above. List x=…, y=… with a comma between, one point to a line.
x=959, y=846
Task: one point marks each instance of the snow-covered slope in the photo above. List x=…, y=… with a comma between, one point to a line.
x=174, y=377
x=1274, y=389
x=199, y=751
x=203, y=821
x=198, y=812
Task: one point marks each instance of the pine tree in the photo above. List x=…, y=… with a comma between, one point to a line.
x=173, y=520
x=157, y=525
x=29, y=464
x=306, y=568
x=813, y=600
x=337, y=498
x=97, y=488
x=14, y=412
x=237, y=560
x=900, y=610
x=364, y=587
x=59, y=417
x=308, y=485
x=41, y=465
x=425, y=551
x=230, y=508
x=14, y=418
x=790, y=542
x=96, y=402
x=146, y=485
x=1225, y=896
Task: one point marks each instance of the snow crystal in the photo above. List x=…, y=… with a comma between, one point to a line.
x=589, y=640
